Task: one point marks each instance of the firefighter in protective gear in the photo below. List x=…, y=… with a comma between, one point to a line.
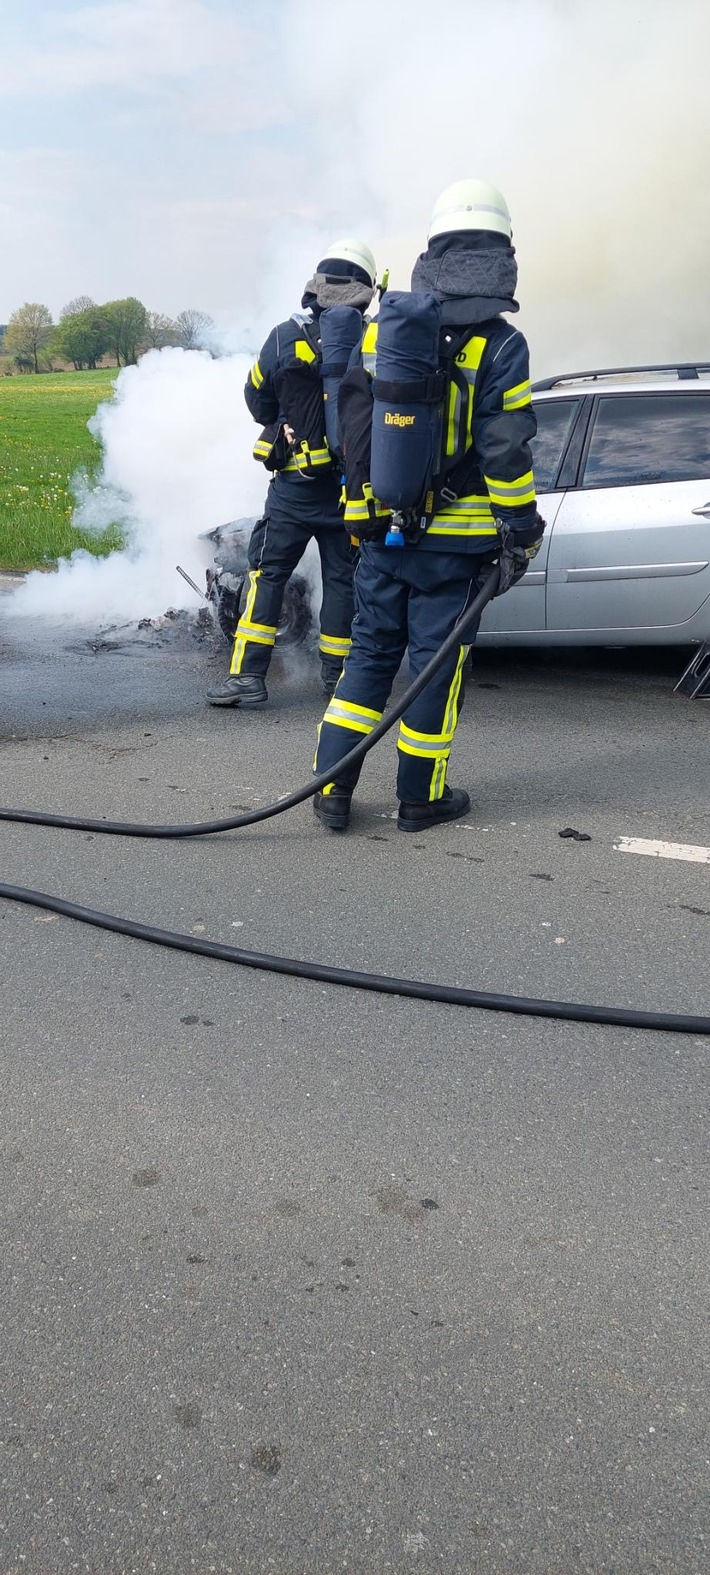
x=303, y=497
x=413, y=595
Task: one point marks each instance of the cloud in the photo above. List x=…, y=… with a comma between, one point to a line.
x=37, y=188
x=194, y=59
x=39, y=175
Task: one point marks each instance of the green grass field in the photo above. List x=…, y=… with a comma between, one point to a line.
x=43, y=441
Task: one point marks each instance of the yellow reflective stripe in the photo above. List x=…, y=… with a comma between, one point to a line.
x=468, y=360
x=357, y=718
x=451, y=716
x=451, y=713
x=261, y=450
x=348, y=706
x=259, y=628
x=517, y=501
x=240, y=643
x=472, y=354
x=369, y=348
x=303, y=351
x=438, y=779
x=463, y=517
x=464, y=509
x=518, y=484
x=348, y=722
x=256, y=375
x=452, y=418
x=513, y=493
x=358, y=509
x=462, y=530
x=436, y=746
x=423, y=751
x=306, y=456
x=515, y=398
x=433, y=740
x=248, y=632
x=290, y=465
x=333, y=645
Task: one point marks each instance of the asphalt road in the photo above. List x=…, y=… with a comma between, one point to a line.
x=299, y=1279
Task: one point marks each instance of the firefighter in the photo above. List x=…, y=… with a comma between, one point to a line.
x=413, y=592
x=303, y=499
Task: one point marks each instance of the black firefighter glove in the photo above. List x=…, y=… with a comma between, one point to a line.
x=517, y=550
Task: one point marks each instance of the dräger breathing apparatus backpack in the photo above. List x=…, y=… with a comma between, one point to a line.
x=307, y=391
x=393, y=426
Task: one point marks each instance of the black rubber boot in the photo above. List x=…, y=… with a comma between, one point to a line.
x=241, y=689
x=453, y=803
x=333, y=809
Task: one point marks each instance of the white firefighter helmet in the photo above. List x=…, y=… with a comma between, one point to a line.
x=349, y=249
x=470, y=205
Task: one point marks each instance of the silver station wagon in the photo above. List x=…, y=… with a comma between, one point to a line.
x=622, y=468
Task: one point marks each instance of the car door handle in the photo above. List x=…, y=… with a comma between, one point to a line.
x=705, y=511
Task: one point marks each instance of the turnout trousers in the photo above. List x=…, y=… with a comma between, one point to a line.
x=276, y=548
x=403, y=597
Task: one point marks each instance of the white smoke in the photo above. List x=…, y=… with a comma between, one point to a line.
x=177, y=462
x=593, y=119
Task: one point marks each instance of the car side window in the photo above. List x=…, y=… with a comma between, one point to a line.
x=554, y=423
x=639, y=439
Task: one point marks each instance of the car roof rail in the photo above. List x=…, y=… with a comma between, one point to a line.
x=684, y=370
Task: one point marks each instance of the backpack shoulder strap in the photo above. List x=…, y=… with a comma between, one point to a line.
x=309, y=330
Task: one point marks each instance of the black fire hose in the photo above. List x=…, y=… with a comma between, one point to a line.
x=127, y=828
x=384, y=984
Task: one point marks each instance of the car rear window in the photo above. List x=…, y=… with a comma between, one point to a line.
x=644, y=438
x=554, y=423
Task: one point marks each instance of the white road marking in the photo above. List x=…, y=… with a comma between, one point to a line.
x=663, y=850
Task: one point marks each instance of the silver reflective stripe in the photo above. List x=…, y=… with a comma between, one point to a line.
x=339, y=709
x=416, y=746
x=478, y=506
x=510, y=492
x=479, y=207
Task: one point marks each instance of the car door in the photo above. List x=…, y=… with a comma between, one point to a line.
x=521, y=612
x=630, y=551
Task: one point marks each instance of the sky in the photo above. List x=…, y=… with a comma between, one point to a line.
x=201, y=153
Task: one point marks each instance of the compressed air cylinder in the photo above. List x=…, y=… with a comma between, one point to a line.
x=340, y=329
x=408, y=392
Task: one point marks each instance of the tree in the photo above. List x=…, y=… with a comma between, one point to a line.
x=159, y=330
x=75, y=308
x=27, y=336
x=126, y=321
x=82, y=338
x=193, y=329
